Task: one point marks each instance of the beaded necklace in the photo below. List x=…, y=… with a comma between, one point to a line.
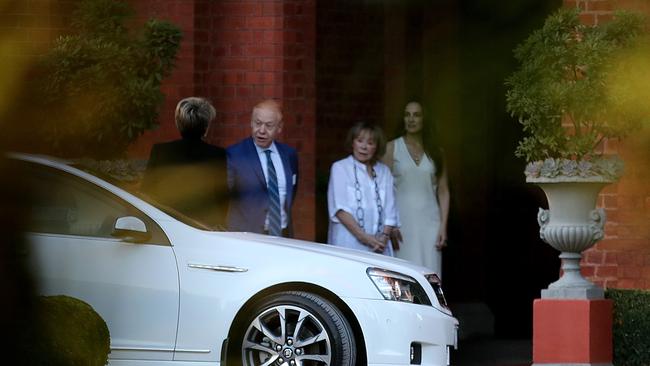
x=357, y=193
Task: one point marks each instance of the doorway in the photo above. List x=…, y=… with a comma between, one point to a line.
x=454, y=55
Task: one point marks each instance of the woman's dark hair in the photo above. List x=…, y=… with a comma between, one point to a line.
x=430, y=141
x=375, y=132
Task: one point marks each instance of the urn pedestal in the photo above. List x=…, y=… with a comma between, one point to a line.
x=572, y=332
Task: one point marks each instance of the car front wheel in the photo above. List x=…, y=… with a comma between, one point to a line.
x=297, y=329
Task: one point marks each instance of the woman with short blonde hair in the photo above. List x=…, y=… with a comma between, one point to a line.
x=193, y=115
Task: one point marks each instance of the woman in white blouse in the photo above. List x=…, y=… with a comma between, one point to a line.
x=360, y=196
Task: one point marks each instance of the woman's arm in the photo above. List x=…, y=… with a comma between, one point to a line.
x=443, y=201
x=392, y=222
x=388, y=156
x=366, y=239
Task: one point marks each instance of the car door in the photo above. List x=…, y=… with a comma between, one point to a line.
x=133, y=286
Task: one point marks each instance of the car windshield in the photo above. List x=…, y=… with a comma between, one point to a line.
x=133, y=189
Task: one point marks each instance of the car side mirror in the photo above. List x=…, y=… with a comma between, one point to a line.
x=131, y=228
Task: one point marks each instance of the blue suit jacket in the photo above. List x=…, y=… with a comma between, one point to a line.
x=249, y=201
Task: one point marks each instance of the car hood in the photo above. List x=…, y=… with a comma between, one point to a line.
x=371, y=259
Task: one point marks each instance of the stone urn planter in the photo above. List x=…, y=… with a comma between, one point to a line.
x=571, y=224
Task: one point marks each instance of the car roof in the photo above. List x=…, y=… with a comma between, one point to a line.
x=36, y=158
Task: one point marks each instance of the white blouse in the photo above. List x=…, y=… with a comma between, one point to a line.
x=342, y=195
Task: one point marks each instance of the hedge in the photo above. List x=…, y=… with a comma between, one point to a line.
x=631, y=327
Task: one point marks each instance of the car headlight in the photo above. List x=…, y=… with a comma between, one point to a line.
x=436, y=284
x=398, y=287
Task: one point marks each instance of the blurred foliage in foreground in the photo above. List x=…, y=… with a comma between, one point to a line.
x=98, y=88
x=66, y=332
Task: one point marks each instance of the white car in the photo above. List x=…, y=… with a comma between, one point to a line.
x=174, y=293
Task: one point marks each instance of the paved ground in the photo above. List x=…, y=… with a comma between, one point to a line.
x=487, y=351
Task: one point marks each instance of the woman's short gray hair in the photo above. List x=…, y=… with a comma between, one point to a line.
x=193, y=115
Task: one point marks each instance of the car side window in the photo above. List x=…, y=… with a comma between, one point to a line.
x=65, y=204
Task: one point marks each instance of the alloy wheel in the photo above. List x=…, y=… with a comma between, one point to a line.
x=286, y=335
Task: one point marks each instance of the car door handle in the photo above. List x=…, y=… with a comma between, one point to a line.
x=217, y=268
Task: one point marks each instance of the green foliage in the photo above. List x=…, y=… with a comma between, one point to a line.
x=101, y=88
x=66, y=332
x=631, y=327
x=566, y=75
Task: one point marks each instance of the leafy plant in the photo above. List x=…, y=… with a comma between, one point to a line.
x=101, y=84
x=608, y=169
x=564, y=94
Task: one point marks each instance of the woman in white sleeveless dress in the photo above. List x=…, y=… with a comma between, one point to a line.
x=422, y=191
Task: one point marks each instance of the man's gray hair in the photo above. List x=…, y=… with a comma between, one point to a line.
x=193, y=115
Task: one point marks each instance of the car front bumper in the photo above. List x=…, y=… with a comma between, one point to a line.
x=391, y=328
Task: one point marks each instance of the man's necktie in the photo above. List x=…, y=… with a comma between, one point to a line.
x=275, y=223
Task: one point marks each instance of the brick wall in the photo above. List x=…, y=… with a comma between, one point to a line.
x=622, y=258
x=598, y=11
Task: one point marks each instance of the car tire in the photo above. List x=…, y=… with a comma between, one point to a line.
x=294, y=328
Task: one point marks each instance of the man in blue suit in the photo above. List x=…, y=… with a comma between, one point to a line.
x=262, y=176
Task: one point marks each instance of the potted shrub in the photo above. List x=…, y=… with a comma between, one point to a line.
x=568, y=99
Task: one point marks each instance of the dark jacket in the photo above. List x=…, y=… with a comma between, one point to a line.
x=189, y=176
